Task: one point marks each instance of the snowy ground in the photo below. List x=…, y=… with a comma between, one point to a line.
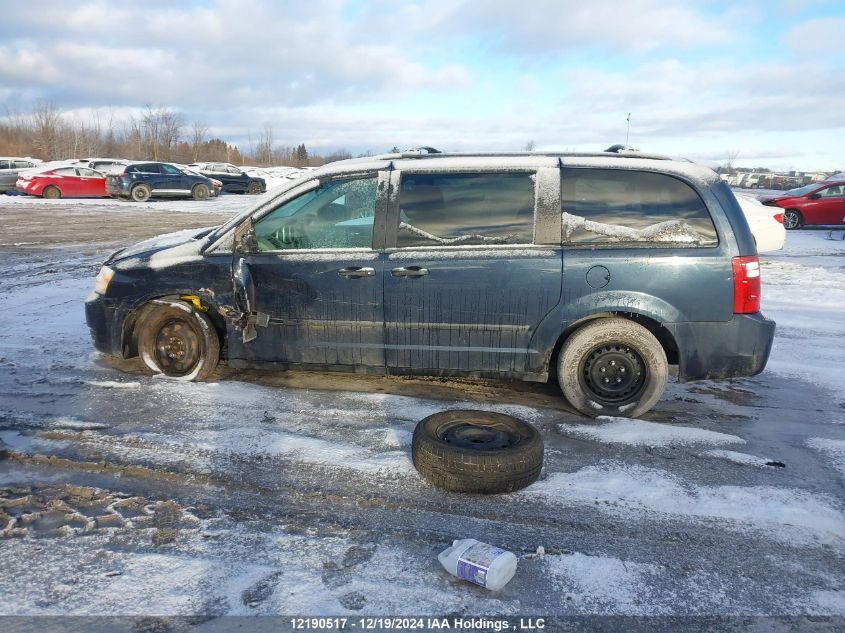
x=293, y=493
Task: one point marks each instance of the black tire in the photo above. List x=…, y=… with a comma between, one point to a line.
x=254, y=188
x=177, y=340
x=140, y=193
x=200, y=192
x=612, y=366
x=792, y=219
x=51, y=192
x=477, y=451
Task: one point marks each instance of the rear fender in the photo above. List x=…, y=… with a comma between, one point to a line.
x=571, y=315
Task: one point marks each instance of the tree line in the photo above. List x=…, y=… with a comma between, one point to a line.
x=157, y=133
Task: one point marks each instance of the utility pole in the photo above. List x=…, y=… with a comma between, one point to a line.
x=628, y=130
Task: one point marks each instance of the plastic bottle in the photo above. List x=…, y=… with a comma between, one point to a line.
x=480, y=563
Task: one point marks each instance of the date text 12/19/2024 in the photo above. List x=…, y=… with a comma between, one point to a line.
x=417, y=624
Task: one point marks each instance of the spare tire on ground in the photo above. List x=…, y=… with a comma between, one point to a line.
x=477, y=451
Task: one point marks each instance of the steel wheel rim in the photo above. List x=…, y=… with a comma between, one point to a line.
x=177, y=347
x=613, y=374
x=476, y=437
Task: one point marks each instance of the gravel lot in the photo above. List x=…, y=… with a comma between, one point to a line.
x=293, y=493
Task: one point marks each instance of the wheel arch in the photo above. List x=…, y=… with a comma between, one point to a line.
x=663, y=335
x=129, y=334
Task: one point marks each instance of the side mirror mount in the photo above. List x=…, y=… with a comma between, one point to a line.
x=815, y=196
x=245, y=240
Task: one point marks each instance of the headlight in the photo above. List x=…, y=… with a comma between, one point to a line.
x=101, y=283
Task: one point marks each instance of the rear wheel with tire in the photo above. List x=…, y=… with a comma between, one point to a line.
x=200, y=192
x=612, y=366
x=477, y=451
x=51, y=192
x=254, y=188
x=140, y=193
x=792, y=219
x=177, y=340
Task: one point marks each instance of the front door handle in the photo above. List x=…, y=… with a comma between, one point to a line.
x=356, y=272
x=409, y=271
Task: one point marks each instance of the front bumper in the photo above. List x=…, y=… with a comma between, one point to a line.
x=723, y=349
x=104, y=323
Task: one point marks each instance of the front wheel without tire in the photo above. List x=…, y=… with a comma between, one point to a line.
x=177, y=340
x=792, y=220
x=612, y=366
x=200, y=192
x=477, y=451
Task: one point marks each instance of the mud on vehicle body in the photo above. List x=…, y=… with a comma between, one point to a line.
x=602, y=269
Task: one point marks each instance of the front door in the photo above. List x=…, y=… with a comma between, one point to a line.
x=827, y=208
x=465, y=286
x=315, y=285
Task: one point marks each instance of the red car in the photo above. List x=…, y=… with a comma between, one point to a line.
x=818, y=203
x=64, y=182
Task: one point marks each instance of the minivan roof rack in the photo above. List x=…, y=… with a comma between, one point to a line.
x=419, y=153
x=425, y=150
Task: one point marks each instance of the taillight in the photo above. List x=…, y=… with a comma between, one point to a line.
x=746, y=271
x=779, y=217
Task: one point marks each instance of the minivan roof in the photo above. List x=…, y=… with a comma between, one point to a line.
x=455, y=161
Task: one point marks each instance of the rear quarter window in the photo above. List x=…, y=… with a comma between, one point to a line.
x=609, y=206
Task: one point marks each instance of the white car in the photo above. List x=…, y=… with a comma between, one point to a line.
x=11, y=167
x=766, y=223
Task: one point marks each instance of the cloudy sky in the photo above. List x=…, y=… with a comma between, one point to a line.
x=700, y=79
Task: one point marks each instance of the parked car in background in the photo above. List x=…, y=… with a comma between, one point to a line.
x=217, y=186
x=104, y=165
x=64, y=182
x=766, y=225
x=11, y=167
x=107, y=165
x=444, y=265
x=141, y=181
x=234, y=179
x=820, y=203
x=273, y=176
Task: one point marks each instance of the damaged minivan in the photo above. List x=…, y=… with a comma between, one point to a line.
x=599, y=270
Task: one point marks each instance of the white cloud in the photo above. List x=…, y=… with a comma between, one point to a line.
x=817, y=36
x=634, y=26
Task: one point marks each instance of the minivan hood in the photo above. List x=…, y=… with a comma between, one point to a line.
x=160, y=243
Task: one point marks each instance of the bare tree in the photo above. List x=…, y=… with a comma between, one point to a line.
x=529, y=146
x=157, y=132
x=728, y=165
x=264, y=150
x=198, y=134
x=47, y=124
